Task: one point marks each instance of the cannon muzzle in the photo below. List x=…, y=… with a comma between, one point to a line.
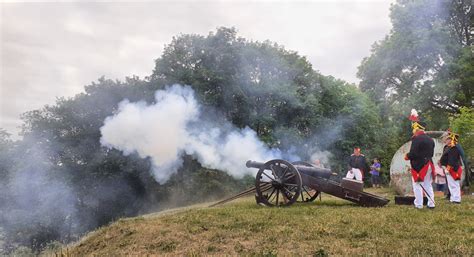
x=254, y=164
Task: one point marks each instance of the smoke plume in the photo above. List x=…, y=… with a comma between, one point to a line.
x=175, y=125
x=36, y=203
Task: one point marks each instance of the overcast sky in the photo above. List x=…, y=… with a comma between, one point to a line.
x=53, y=49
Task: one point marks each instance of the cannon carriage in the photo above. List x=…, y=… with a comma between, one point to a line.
x=281, y=183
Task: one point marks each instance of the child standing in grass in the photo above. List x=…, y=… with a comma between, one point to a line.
x=440, y=179
x=375, y=172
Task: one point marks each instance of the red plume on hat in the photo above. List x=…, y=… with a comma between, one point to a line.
x=416, y=124
x=413, y=115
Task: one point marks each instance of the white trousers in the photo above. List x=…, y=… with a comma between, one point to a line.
x=354, y=173
x=418, y=191
x=454, y=188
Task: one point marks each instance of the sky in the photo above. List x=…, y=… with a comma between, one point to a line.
x=51, y=49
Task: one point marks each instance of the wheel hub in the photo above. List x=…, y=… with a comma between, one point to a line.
x=277, y=183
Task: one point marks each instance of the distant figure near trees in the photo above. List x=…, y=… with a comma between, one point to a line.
x=357, y=165
x=375, y=172
x=317, y=163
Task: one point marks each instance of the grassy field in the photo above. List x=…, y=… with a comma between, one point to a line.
x=329, y=227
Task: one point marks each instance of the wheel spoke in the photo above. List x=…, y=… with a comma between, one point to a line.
x=274, y=196
x=284, y=172
x=270, y=196
x=268, y=176
x=289, y=192
x=275, y=171
x=278, y=193
x=306, y=191
x=291, y=176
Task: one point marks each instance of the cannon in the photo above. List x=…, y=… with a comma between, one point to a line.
x=290, y=183
x=281, y=183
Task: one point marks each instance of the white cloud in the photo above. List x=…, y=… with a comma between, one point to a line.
x=79, y=26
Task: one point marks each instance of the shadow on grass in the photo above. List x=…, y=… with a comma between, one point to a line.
x=335, y=204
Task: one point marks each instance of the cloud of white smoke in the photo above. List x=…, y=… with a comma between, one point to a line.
x=171, y=127
x=320, y=158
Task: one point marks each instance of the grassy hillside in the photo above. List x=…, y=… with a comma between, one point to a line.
x=329, y=227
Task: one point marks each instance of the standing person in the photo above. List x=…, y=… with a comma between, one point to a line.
x=464, y=159
x=317, y=163
x=451, y=159
x=445, y=138
x=357, y=165
x=375, y=172
x=420, y=155
x=440, y=178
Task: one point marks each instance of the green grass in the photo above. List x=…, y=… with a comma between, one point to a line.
x=330, y=227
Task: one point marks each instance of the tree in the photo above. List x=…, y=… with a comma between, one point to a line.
x=6, y=145
x=252, y=83
x=463, y=124
x=426, y=60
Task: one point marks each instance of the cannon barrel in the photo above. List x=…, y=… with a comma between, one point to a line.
x=307, y=170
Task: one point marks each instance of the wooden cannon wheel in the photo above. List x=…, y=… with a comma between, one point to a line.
x=278, y=183
x=307, y=193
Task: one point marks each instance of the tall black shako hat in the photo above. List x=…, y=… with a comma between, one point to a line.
x=453, y=136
